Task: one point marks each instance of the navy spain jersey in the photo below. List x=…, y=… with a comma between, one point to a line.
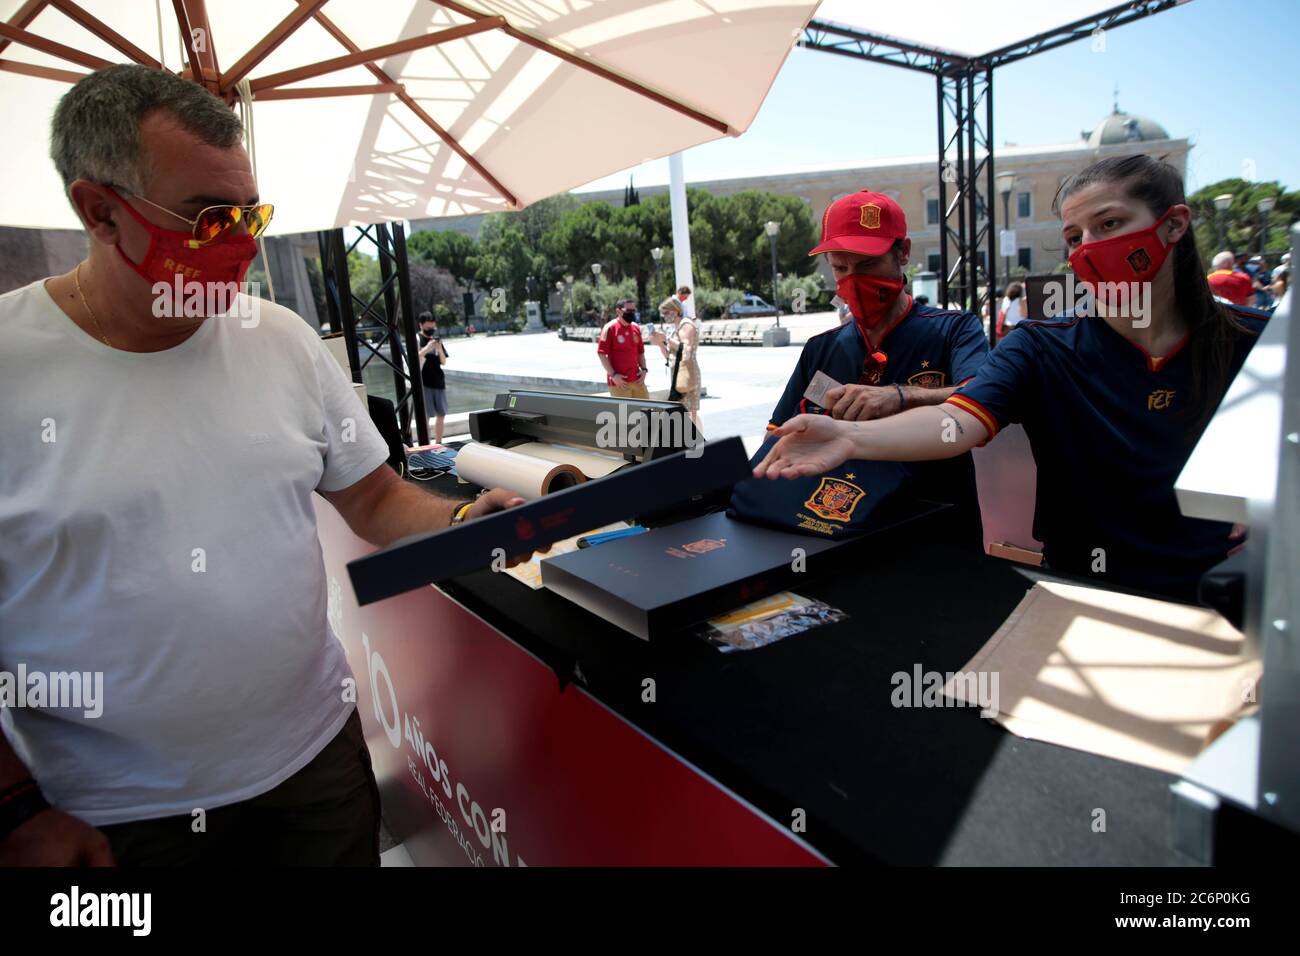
x=1111, y=428
x=930, y=348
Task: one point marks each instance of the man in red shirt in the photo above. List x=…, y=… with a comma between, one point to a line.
x=622, y=352
x=1236, y=287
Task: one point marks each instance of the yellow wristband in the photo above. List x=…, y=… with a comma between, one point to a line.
x=458, y=515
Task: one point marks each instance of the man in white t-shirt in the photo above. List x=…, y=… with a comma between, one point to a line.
x=157, y=533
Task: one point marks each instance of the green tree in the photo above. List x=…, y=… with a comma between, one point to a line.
x=505, y=260
x=1243, y=220
x=448, y=250
x=364, y=279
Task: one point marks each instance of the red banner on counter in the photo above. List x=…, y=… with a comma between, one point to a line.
x=482, y=760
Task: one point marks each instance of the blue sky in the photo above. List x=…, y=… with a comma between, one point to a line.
x=1222, y=73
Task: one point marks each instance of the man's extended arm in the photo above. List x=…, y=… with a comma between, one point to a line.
x=381, y=508
x=858, y=403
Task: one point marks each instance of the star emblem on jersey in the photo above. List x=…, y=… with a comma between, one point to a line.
x=870, y=216
x=835, y=499
x=925, y=363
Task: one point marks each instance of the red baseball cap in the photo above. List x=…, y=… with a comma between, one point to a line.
x=866, y=223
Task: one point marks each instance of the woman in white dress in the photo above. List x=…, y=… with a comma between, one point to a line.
x=684, y=339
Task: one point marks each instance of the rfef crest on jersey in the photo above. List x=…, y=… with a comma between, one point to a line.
x=930, y=378
x=835, y=499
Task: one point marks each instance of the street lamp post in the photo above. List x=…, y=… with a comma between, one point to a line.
x=657, y=254
x=1006, y=182
x=773, y=227
x=1265, y=207
x=573, y=316
x=595, y=271
x=1221, y=204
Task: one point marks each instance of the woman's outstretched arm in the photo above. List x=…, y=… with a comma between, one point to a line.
x=812, y=444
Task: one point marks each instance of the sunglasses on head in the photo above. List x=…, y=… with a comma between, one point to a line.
x=212, y=222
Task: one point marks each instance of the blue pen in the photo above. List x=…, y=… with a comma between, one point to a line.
x=587, y=541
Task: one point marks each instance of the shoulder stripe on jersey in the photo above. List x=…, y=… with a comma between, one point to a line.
x=969, y=405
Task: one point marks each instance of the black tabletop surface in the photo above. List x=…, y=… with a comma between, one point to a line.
x=808, y=723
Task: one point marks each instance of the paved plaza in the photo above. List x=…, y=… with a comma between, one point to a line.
x=743, y=382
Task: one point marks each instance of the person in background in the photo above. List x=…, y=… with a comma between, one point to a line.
x=922, y=300
x=1012, y=312
x=1115, y=400
x=1261, y=279
x=683, y=297
x=680, y=349
x=1227, y=283
x=1281, y=281
x=433, y=356
x=622, y=352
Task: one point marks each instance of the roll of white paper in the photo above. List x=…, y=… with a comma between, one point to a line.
x=591, y=462
x=530, y=477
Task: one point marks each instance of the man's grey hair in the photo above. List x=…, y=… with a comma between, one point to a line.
x=95, y=134
x=1224, y=260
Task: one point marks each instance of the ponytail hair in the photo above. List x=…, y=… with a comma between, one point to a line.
x=1213, y=330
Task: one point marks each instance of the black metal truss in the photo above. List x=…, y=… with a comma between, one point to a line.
x=965, y=188
x=1078, y=30
x=965, y=85
x=390, y=309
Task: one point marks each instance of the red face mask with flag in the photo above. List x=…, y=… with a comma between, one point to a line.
x=869, y=298
x=1132, y=257
x=172, y=253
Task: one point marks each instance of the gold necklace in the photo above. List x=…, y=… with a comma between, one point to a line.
x=76, y=277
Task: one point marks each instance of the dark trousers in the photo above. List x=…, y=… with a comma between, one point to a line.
x=326, y=814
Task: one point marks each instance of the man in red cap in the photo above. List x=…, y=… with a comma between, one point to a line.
x=894, y=354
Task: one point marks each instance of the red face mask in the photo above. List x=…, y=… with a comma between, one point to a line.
x=1132, y=257
x=172, y=253
x=869, y=297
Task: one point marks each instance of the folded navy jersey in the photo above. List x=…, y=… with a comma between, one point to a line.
x=835, y=505
x=930, y=348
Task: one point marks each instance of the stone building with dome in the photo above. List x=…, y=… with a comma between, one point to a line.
x=910, y=181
